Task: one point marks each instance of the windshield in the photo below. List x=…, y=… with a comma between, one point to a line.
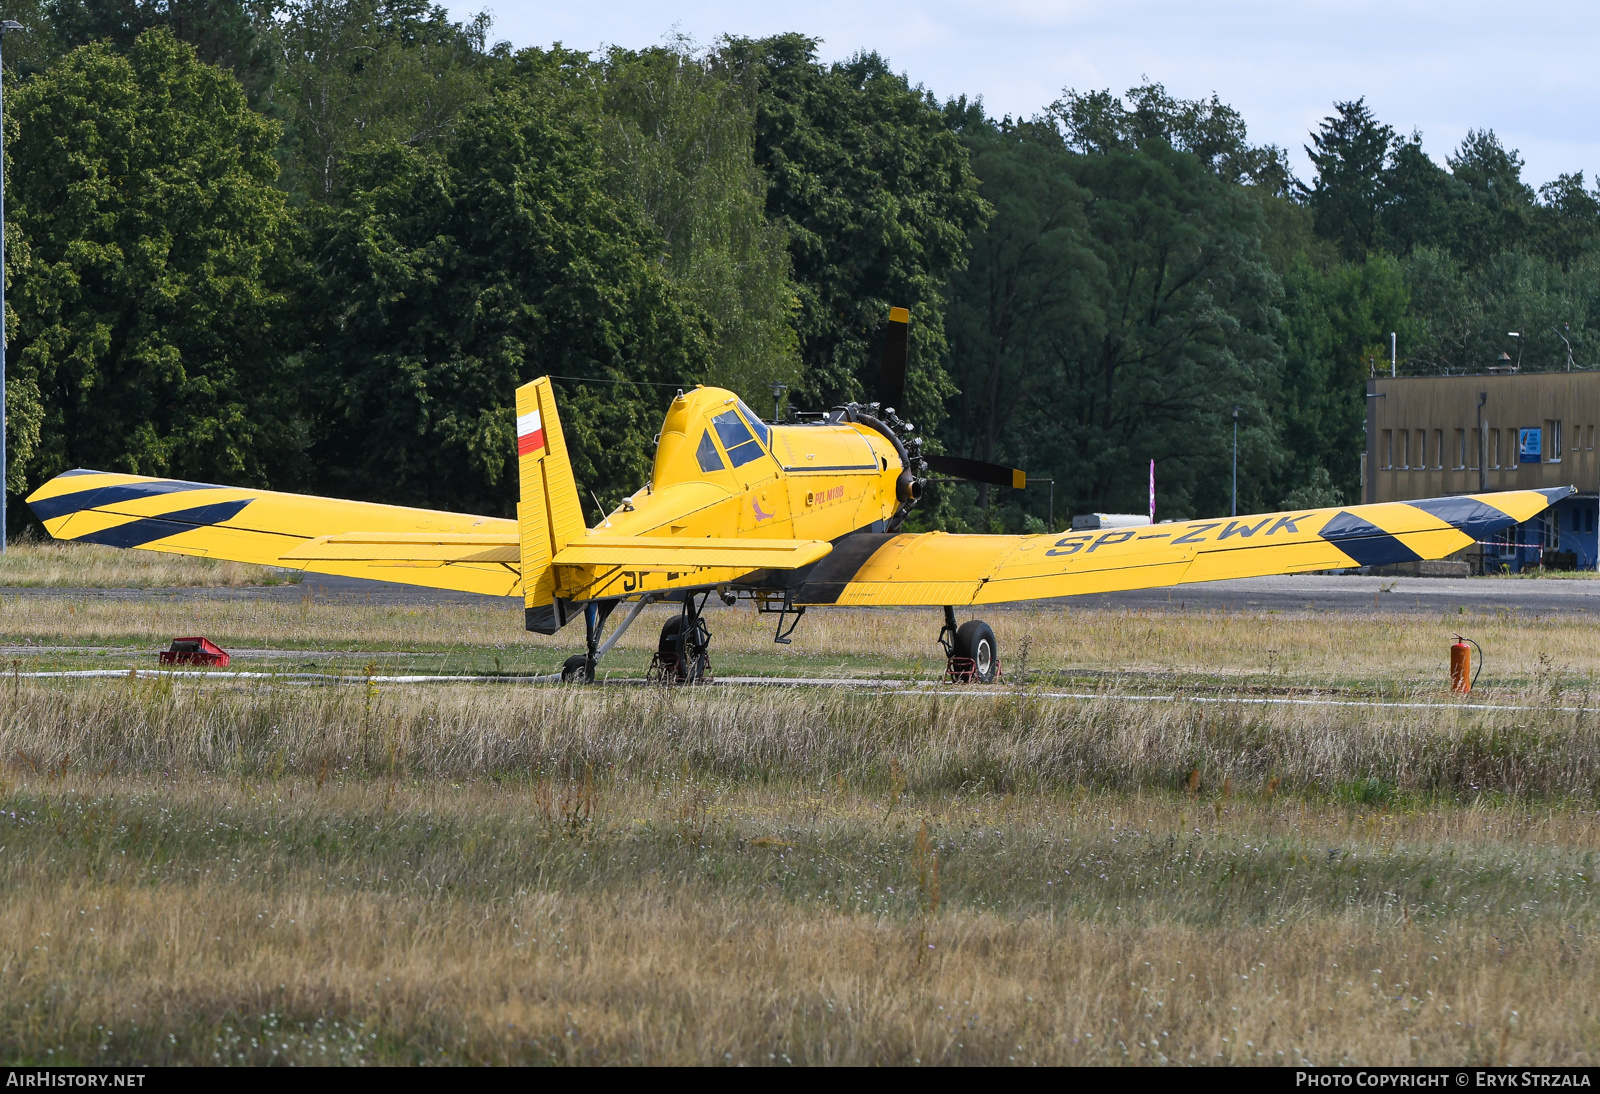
x=736, y=438
x=755, y=423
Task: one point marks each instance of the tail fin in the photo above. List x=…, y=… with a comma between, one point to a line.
x=549, y=515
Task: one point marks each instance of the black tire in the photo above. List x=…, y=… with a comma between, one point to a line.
x=682, y=650
x=669, y=635
x=577, y=669
x=975, y=643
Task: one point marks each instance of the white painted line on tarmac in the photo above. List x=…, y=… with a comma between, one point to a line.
x=310, y=677
x=885, y=687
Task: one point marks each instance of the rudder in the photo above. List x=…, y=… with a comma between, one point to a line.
x=549, y=515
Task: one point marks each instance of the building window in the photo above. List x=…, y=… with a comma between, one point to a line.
x=1405, y=449
x=1477, y=449
x=1591, y=438
x=1505, y=540
x=1552, y=533
x=1422, y=450
x=1494, y=449
x=1388, y=450
x=1461, y=450
x=1552, y=440
x=1438, y=450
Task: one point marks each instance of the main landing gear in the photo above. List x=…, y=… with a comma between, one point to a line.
x=971, y=654
x=683, y=654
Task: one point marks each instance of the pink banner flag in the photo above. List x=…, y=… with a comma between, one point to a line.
x=1152, y=491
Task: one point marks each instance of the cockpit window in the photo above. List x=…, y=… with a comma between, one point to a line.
x=736, y=438
x=755, y=423
x=710, y=459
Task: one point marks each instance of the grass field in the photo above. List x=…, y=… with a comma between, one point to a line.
x=1385, y=653
x=34, y=563
x=223, y=872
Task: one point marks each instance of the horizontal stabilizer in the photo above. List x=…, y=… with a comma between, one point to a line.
x=659, y=552
x=409, y=547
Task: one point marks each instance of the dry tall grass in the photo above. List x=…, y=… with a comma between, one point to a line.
x=936, y=742
x=206, y=873
x=303, y=920
x=32, y=563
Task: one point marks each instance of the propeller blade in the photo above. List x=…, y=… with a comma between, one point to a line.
x=977, y=471
x=892, y=376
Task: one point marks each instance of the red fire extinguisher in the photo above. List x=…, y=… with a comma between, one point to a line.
x=1461, y=675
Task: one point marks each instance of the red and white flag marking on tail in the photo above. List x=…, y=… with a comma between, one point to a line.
x=530, y=433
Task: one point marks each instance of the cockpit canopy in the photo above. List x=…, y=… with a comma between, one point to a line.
x=686, y=449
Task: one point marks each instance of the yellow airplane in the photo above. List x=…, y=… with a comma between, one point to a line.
x=791, y=516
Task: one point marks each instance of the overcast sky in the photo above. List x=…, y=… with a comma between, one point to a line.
x=1439, y=67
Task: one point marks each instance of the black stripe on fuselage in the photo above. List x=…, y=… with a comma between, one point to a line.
x=63, y=504
x=136, y=533
x=828, y=576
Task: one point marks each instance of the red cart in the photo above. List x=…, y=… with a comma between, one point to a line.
x=195, y=651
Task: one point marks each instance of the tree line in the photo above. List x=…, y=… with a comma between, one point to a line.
x=315, y=245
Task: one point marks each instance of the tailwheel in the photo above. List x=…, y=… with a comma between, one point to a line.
x=974, y=656
x=683, y=654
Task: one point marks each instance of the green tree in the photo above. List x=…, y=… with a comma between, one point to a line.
x=1336, y=322
x=1498, y=212
x=1182, y=330
x=1420, y=200
x=37, y=46
x=1349, y=151
x=1463, y=313
x=150, y=254
x=223, y=32
x=679, y=139
x=359, y=74
x=1115, y=311
x=1032, y=275
x=449, y=277
x=877, y=198
x=1567, y=219
x=1211, y=130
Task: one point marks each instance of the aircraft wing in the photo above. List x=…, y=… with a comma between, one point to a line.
x=934, y=568
x=321, y=535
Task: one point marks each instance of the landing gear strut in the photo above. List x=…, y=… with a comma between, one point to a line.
x=971, y=654
x=683, y=654
x=579, y=668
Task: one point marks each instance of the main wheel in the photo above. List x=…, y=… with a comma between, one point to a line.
x=577, y=669
x=683, y=651
x=975, y=643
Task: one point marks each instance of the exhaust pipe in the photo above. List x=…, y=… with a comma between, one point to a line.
x=908, y=487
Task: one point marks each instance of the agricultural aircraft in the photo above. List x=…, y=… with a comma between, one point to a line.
x=792, y=515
